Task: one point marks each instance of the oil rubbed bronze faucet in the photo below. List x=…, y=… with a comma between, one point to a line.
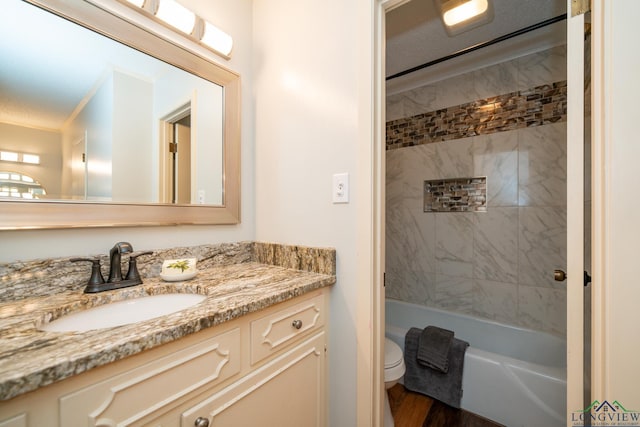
x=115, y=281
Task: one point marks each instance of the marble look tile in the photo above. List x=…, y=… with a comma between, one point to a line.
x=410, y=245
x=543, y=309
x=541, y=245
x=495, y=245
x=411, y=288
x=496, y=157
x=453, y=293
x=542, y=67
x=395, y=107
x=542, y=165
x=455, y=91
x=454, y=244
x=454, y=159
x=495, y=300
x=495, y=80
x=412, y=102
x=407, y=169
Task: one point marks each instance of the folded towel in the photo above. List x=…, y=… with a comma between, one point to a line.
x=447, y=387
x=433, y=348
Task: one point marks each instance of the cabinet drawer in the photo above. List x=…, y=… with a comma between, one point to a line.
x=288, y=391
x=132, y=395
x=274, y=331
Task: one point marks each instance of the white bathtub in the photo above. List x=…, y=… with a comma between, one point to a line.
x=514, y=376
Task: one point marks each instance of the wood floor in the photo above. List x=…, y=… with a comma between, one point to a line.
x=416, y=410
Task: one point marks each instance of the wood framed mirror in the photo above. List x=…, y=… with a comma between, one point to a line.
x=69, y=210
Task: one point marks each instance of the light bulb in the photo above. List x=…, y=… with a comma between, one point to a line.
x=176, y=15
x=465, y=11
x=217, y=39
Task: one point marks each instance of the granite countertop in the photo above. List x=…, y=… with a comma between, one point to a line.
x=30, y=358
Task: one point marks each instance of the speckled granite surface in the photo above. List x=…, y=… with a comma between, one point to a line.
x=230, y=275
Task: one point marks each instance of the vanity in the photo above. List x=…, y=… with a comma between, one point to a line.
x=252, y=353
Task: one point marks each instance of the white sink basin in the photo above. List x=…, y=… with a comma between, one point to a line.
x=123, y=312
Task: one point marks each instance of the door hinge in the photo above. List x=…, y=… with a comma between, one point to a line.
x=580, y=7
x=173, y=147
x=84, y=157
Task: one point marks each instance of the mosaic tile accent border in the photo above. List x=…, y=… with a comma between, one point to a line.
x=538, y=106
x=456, y=195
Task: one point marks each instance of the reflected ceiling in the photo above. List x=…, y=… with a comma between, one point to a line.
x=45, y=103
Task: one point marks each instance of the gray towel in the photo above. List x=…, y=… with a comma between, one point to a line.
x=446, y=388
x=433, y=348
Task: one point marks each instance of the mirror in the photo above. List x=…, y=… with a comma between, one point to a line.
x=130, y=129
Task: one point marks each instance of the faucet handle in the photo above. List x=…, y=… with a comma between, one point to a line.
x=132, y=273
x=96, y=273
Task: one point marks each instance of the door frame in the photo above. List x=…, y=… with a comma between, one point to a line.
x=575, y=211
x=370, y=410
x=371, y=317
x=165, y=133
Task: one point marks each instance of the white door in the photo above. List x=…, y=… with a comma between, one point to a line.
x=577, y=388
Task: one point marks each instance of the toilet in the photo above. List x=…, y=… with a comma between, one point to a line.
x=393, y=371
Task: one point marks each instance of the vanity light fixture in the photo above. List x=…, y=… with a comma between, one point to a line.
x=459, y=16
x=182, y=19
x=176, y=15
x=138, y=3
x=217, y=39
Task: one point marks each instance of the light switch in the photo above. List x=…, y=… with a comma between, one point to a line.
x=341, y=188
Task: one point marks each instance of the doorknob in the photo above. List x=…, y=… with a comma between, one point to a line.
x=561, y=276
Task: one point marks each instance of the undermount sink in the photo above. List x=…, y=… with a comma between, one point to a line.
x=123, y=312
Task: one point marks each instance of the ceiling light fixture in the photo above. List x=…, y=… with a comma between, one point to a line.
x=459, y=16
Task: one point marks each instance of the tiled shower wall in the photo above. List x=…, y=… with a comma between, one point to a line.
x=496, y=264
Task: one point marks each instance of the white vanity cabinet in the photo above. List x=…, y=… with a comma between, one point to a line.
x=267, y=368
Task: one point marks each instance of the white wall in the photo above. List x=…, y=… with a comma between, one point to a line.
x=307, y=82
x=45, y=143
x=132, y=171
x=96, y=118
x=234, y=16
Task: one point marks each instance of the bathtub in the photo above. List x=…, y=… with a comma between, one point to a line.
x=513, y=376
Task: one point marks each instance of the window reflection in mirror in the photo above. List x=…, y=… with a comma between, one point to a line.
x=96, y=113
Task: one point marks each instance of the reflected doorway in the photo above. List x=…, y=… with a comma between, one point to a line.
x=175, y=155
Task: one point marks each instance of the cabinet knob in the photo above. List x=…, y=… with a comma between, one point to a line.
x=297, y=324
x=201, y=422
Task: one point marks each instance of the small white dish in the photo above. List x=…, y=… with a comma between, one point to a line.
x=178, y=270
x=178, y=277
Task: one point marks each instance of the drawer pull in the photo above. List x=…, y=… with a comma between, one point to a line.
x=201, y=422
x=297, y=324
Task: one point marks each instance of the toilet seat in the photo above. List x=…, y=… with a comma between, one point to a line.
x=392, y=354
x=393, y=362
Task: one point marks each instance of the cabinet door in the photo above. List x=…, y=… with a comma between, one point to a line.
x=289, y=391
x=130, y=397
